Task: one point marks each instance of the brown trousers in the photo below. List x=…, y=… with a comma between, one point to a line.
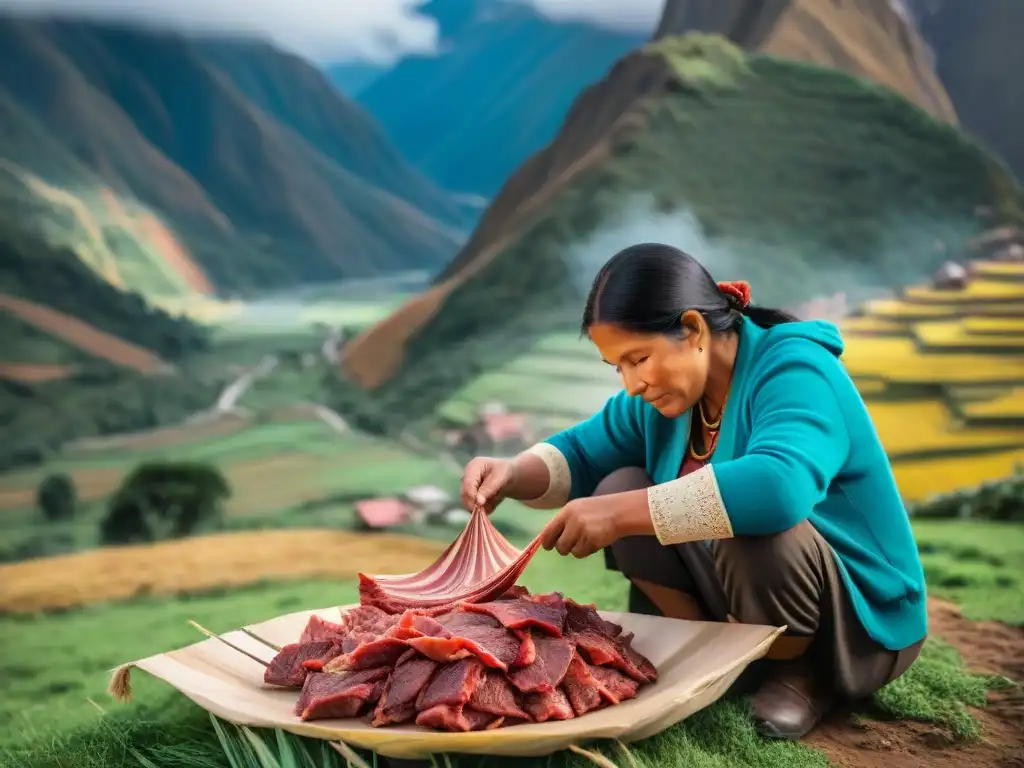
x=788, y=578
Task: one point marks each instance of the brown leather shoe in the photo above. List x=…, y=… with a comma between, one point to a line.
x=790, y=702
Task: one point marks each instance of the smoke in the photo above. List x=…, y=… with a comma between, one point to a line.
x=639, y=221
x=800, y=276
x=322, y=30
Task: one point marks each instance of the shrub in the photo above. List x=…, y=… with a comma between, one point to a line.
x=996, y=500
x=160, y=500
x=56, y=497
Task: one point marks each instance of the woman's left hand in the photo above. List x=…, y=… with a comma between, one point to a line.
x=588, y=525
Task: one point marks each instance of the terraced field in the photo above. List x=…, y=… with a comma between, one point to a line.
x=942, y=372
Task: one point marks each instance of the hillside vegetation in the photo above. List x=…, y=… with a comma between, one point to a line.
x=33, y=271
x=174, y=166
x=80, y=357
x=801, y=179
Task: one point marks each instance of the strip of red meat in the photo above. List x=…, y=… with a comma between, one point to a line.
x=319, y=630
x=543, y=612
x=579, y=618
x=602, y=650
x=398, y=702
x=367, y=619
x=615, y=686
x=637, y=659
x=470, y=634
x=582, y=690
x=494, y=695
x=287, y=669
x=452, y=684
x=590, y=687
x=448, y=717
x=385, y=650
x=550, y=705
x=548, y=669
x=527, y=649
x=327, y=694
x=478, y=566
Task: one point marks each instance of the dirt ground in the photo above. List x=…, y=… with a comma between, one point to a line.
x=988, y=647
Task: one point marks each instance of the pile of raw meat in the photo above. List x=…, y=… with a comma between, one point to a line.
x=519, y=658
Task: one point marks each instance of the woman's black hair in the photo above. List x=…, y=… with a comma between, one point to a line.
x=646, y=288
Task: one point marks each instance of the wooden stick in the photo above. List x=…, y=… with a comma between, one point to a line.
x=350, y=755
x=229, y=644
x=259, y=639
x=595, y=757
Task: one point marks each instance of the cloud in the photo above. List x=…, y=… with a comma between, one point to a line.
x=322, y=30
x=625, y=15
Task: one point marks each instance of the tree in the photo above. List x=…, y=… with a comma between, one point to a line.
x=160, y=500
x=56, y=497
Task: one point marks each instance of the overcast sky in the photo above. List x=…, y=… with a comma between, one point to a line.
x=329, y=30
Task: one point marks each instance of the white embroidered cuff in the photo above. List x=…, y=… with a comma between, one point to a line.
x=560, y=484
x=689, y=508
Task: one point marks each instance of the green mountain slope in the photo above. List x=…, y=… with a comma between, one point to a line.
x=55, y=278
x=255, y=169
x=71, y=347
x=801, y=179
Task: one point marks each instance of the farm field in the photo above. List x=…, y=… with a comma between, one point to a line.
x=202, y=563
x=68, y=655
x=298, y=473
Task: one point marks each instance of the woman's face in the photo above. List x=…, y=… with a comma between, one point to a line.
x=669, y=373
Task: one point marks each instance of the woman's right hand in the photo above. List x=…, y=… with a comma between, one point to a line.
x=484, y=483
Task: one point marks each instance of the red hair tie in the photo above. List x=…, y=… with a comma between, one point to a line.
x=738, y=289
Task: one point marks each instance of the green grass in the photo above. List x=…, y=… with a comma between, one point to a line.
x=977, y=564
x=66, y=657
x=62, y=660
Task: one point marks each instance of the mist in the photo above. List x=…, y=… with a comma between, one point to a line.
x=776, y=278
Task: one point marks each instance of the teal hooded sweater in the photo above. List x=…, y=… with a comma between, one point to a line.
x=796, y=443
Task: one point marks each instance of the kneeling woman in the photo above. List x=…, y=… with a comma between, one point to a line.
x=737, y=478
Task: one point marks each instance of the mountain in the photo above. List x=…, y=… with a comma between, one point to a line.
x=508, y=75
x=979, y=58
x=873, y=39
x=496, y=93
x=172, y=164
x=795, y=177
x=354, y=77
